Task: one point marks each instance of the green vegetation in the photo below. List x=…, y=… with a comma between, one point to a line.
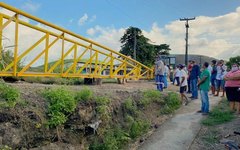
x=172, y=102
x=9, y=96
x=233, y=60
x=52, y=80
x=60, y=104
x=211, y=137
x=103, y=109
x=138, y=128
x=84, y=95
x=5, y=147
x=146, y=51
x=7, y=58
x=102, y=100
x=151, y=96
x=220, y=114
x=114, y=139
x=130, y=106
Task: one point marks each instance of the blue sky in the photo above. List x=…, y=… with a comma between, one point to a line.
x=121, y=13
x=215, y=32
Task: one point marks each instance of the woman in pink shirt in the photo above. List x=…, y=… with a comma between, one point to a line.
x=232, y=86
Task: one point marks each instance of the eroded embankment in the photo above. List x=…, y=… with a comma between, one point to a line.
x=59, y=117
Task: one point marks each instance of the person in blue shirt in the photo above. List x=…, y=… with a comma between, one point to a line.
x=194, y=76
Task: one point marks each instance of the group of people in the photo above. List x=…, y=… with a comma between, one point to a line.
x=194, y=78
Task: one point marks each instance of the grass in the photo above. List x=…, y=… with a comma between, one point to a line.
x=219, y=115
x=211, y=137
x=84, y=95
x=151, y=96
x=53, y=80
x=9, y=96
x=172, y=102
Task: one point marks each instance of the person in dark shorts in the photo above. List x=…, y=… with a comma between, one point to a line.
x=183, y=85
x=232, y=87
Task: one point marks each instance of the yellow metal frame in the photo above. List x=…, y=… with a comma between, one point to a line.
x=126, y=67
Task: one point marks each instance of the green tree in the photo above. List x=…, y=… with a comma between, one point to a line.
x=146, y=52
x=6, y=58
x=162, y=49
x=233, y=60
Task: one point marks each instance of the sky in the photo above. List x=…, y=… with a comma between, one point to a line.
x=215, y=32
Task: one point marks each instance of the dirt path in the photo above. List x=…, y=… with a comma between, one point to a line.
x=178, y=132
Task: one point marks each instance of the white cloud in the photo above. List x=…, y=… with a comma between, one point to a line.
x=31, y=6
x=83, y=19
x=211, y=36
x=108, y=36
x=91, y=31
x=94, y=17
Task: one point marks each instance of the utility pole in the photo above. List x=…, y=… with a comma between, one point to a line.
x=135, y=45
x=186, y=46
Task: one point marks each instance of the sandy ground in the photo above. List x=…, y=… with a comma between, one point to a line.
x=104, y=88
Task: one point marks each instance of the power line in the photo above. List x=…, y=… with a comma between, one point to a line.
x=186, y=46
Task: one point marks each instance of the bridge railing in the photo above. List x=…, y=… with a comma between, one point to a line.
x=35, y=43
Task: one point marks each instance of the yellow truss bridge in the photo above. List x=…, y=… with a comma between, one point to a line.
x=33, y=43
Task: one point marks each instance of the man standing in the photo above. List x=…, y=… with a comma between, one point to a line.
x=177, y=74
x=220, y=70
x=189, y=68
x=166, y=75
x=204, y=85
x=183, y=85
x=159, y=73
x=213, y=76
x=194, y=75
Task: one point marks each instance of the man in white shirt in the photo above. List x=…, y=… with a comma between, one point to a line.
x=183, y=84
x=177, y=74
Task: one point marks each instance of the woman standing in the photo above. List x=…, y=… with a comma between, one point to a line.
x=232, y=86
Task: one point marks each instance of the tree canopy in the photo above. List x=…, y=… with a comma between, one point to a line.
x=145, y=51
x=233, y=60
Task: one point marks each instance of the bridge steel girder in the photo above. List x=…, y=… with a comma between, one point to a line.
x=103, y=60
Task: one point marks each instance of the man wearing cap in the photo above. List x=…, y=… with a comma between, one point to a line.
x=159, y=73
x=194, y=76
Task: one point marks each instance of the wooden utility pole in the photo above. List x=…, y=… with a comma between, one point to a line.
x=186, y=46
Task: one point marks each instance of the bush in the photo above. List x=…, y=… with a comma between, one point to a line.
x=114, y=139
x=138, y=128
x=103, y=108
x=9, y=94
x=84, y=95
x=102, y=100
x=151, y=96
x=172, y=102
x=60, y=104
x=130, y=106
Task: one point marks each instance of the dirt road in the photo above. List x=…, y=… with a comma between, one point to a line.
x=178, y=132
